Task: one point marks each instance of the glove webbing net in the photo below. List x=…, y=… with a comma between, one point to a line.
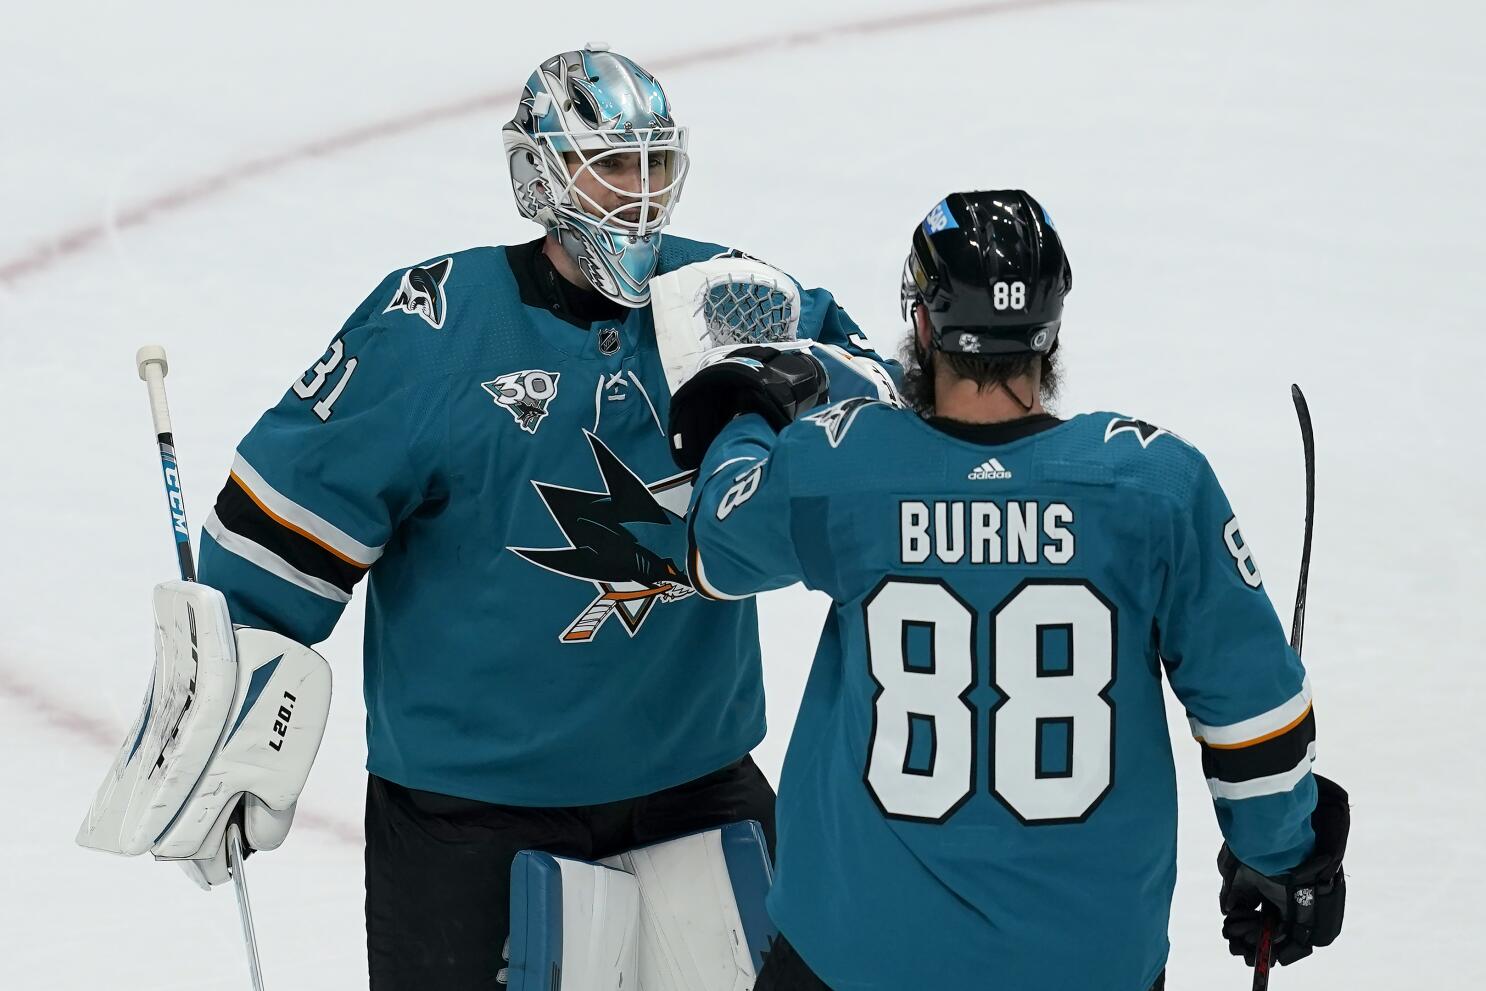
x=738, y=310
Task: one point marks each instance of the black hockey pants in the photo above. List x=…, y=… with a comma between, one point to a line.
x=784, y=970
x=438, y=869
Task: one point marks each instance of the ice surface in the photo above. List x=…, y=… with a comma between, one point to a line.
x=1252, y=194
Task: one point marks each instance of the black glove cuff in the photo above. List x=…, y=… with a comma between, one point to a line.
x=778, y=384
x=1331, y=822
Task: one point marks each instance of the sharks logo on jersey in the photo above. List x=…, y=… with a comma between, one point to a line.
x=525, y=395
x=422, y=292
x=604, y=531
x=836, y=420
x=1146, y=432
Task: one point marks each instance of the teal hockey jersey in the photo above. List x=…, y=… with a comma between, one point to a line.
x=979, y=791
x=503, y=477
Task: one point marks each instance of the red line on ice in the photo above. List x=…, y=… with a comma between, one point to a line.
x=75, y=240
x=108, y=737
x=60, y=714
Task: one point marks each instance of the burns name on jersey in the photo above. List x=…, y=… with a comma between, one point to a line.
x=985, y=532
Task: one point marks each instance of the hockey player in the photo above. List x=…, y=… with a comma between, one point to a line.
x=484, y=438
x=979, y=790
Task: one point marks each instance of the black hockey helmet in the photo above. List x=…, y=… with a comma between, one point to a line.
x=990, y=270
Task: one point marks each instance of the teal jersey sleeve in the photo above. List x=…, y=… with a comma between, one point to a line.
x=1246, y=694
x=741, y=529
x=321, y=482
x=742, y=538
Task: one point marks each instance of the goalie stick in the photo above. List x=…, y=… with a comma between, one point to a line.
x=1262, y=953
x=152, y=366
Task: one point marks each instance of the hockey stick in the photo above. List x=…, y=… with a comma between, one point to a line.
x=1262, y=961
x=152, y=367
x=150, y=362
x=1308, y=442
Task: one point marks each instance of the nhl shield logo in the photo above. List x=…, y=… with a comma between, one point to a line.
x=526, y=395
x=422, y=292
x=609, y=341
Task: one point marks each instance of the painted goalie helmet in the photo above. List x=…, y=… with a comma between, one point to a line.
x=596, y=118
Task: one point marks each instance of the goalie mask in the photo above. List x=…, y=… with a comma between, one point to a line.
x=596, y=159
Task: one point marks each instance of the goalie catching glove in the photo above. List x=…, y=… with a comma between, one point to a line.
x=1308, y=902
x=779, y=382
x=229, y=728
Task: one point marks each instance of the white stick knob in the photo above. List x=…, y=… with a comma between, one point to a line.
x=148, y=355
x=152, y=366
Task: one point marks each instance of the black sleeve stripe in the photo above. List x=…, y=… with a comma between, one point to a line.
x=240, y=513
x=1275, y=755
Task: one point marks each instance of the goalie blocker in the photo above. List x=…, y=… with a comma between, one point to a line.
x=229, y=727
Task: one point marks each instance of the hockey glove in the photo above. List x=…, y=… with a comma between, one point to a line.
x=1308, y=901
x=228, y=731
x=777, y=383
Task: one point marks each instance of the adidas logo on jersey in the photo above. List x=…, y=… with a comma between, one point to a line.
x=989, y=471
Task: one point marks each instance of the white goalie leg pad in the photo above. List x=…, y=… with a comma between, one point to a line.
x=703, y=926
x=683, y=915
x=185, y=707
x=716, y=303
x=573, y=925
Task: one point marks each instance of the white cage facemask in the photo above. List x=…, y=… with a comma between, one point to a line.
x=596, y=158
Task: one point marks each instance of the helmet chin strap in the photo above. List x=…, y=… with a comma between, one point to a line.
x=926, y=362
x=1027, y=406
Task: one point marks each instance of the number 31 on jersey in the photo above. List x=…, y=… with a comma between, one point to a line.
x=318, y=376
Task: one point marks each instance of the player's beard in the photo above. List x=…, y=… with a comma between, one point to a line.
x=918, y=377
